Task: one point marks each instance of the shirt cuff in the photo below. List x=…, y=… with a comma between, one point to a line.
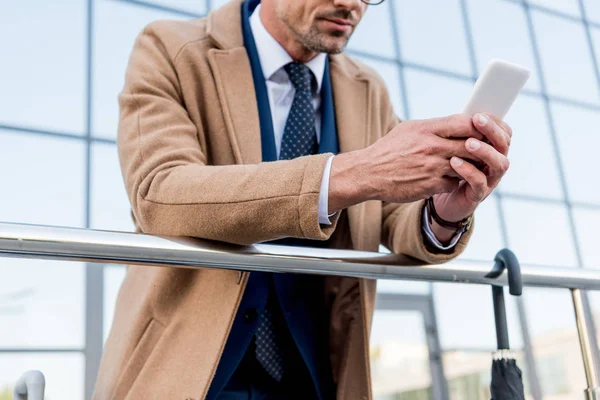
x=431, y=236
x=324, y=195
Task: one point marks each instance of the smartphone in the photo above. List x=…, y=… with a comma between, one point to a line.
x=497, y=88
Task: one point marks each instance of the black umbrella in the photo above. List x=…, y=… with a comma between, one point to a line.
x=507, y=383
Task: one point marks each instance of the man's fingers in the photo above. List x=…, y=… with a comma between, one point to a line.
x=454, y=127
x=497, y=163
x=474, y=177
x=507, y=128
x=495, y=133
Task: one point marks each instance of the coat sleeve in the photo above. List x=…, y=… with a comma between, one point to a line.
x=402, y=225
x=171, y=188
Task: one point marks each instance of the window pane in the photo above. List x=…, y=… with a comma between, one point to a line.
x=486, y=240
x=555, y=342
x=587, y=222
x=44, y=178
x=193, y=6
x=390, y=73
x=64, y=373
x=431, y=96
x=569, y=7
x=566, y=59
x=117, y=24
x=592, y=10
x=465, y=315
x=534, y=169
x=41, y=303
x=43, y=70
x=399, y=349
x=110, y=205
x=374, y=33
x=432, y=33
x=113, y=277
x=578, y=138
x=539, y=233
x=489, y=19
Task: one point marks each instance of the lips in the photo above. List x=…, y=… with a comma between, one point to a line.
x=339, y=24
x=339, y=21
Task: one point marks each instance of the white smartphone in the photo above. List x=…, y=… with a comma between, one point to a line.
x=497, y=88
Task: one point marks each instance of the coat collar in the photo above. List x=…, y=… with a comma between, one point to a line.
x=233, y=77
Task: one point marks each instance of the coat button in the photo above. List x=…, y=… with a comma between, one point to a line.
x=250, y=315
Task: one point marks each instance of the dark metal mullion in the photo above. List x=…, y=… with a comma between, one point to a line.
x=562, y=175
x=94, y=273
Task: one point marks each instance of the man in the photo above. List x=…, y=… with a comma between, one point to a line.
x=247, y=127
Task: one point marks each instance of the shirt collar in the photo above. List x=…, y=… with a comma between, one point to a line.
x=273, y=57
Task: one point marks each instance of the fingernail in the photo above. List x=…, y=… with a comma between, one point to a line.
x=456, y=162
x=474, y=144
x=483, y=119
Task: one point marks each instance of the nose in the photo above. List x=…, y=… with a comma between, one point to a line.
x=349, y=4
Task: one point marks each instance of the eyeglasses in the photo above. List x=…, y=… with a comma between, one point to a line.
x=373, y=2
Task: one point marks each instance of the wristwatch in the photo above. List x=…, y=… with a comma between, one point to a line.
x=459, y=226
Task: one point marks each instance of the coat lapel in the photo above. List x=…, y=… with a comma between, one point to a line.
x=233, y=79
x=350, y=96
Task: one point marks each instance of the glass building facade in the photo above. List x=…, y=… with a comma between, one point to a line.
x=61, y=69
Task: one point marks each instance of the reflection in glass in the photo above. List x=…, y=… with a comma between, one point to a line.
x=64, y=373
x=42, y=76
x=592, y=10
x=32, y=313
x=110, y=205
x=489, y=19
x=400, y=356
x=566, y=59
x=569, y=7
x=533, y=166
x=587, y=222
x=43, y=179
x=193, y=6
x=555, y=342
x=376, y=23
x=113, y=278
x=579, y=141
x=465, y=315
x=117, y=24
x=432, y=33
x=540, y=233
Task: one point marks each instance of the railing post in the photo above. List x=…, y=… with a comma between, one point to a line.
x=591, y=369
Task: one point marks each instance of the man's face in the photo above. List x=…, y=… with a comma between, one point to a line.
x=322, y=26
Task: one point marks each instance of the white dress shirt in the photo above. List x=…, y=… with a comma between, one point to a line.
x=273, y=57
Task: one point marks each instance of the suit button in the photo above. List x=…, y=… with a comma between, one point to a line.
x=250, y=315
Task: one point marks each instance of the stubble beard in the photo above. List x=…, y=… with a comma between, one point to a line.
x=319, y=42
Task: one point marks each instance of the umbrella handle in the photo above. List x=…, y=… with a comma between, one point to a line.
x=506, y=259
x=500, y=318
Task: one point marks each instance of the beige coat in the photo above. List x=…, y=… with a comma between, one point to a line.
x=190, y=152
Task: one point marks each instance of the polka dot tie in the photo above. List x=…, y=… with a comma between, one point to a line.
x=299, y=139
x=299, y=136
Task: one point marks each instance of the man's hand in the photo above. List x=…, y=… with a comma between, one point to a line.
x=410, y=163
x=477, y=184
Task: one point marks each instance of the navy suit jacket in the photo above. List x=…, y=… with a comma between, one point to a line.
x=300, y=296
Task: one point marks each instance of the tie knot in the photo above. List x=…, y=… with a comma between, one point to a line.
x=300, y=75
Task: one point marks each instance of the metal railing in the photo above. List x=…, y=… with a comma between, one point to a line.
x=71, y=244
